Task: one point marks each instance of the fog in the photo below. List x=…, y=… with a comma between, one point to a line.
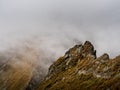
x=35, y=33
x=56, y=25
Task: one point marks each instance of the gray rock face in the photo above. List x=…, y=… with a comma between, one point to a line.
x=104, y=57
x=88, y=49
x=71, y=57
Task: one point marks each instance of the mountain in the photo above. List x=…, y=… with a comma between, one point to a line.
x=81, y=69
x=78, y=69
x=16, y=72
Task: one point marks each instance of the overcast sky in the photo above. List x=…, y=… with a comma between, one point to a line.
x=61, y=23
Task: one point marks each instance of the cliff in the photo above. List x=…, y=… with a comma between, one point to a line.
x=81, y=69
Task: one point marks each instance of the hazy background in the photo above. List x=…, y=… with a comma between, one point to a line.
x=34, y=33
x=53, y=26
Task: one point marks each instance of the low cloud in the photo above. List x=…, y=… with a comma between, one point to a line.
x=46, y=29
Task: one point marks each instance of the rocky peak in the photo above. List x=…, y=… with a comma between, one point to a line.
x=104, y=57
x=72, y=56
x=81, y=50
x=80, y=69
x=88, y=49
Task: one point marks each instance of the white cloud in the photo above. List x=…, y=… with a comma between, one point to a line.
x=62, y=22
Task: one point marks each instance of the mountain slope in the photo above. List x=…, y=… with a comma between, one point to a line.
x=80, y=69
x=16, y=73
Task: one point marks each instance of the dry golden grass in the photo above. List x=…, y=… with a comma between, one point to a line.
x=18, y=71
x=71, y=80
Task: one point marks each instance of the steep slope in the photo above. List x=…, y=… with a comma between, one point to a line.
x=15, y=77
x=80, y=69
x=16, y=73
x=20, y=70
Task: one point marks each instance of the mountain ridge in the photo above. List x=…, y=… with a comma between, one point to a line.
x=81, y=69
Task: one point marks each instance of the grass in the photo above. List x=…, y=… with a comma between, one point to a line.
x=88, y=81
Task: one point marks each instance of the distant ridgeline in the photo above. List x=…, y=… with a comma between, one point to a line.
x=80, y=69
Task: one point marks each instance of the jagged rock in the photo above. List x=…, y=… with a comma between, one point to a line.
x=104, y=57
x=80, y=69
x=88, y=49
x=71, y=57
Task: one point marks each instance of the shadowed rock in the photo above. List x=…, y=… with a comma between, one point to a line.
x=88, y=49
x=104, y=57
x=71, y=57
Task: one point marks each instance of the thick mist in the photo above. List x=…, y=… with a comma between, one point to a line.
x=59, y=24
x=45, y=29
x=55, y=26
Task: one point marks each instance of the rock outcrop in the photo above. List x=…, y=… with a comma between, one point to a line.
x=72, y=56
x=80, y=69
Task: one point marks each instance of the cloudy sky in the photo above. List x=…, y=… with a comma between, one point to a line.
x=59, y=24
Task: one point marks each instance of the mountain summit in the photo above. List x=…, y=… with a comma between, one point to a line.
x=81, y=69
